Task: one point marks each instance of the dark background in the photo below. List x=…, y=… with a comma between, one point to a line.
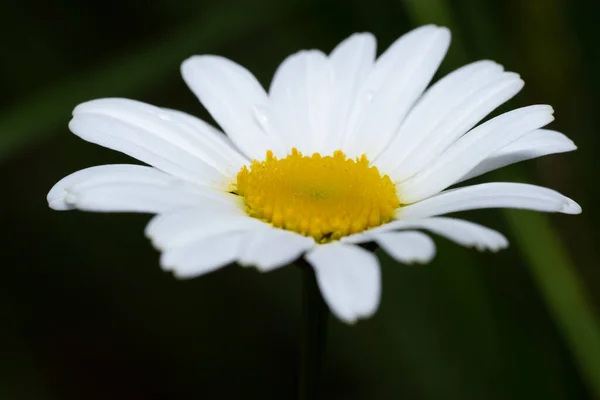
x=86, y=313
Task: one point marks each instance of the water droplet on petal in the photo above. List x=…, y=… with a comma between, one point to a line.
x=261, y=114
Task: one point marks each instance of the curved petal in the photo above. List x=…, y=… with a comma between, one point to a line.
x=535, y=144
x=491, y=195
x=145, y=132
x=447, y=110
x=208, y=143
x=181, y=227
x=302, y=98
x=236, y=100
x=271, y=248
x=349, y=279
x=474, y=147
x=406, y=247
x=125, y=188
x=204, y=256
x=351, y=62
x=392, y=87
x=465, y=233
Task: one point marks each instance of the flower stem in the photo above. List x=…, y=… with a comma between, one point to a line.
x=314, y=335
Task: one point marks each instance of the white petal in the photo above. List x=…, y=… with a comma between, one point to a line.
x=535, y=144
x=125, y=188
x=236, y=100
x=351, y=61
x=392, y=87
x=349, y=278
x=182, y=227
x=465, y=233
x=302, y=97
x=406, y=247
x=147, y=133
x=271, y=248
x=204, y=256
x=471, y=149
x=491, y=195
x=462, y=232
x=210, y=144
x=445, y=112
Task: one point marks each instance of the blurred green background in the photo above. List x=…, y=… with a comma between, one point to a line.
x=86, y=313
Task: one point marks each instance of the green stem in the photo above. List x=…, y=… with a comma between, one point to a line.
x=314, y=335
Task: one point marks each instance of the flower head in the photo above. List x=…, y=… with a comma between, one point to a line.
x=343, y=149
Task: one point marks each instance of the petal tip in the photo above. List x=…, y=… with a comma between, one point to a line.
x=178, y=275
x=444, y=31
x=61, y=199
x=347, y=319
x=198, y=62
x=496, y=247
x=59, y=205
x=354, y=318
x=571, y=207
x=165, y=262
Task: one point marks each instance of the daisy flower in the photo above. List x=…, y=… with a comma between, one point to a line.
x=343, y=149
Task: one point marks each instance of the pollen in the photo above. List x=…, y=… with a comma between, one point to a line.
x=324, y=197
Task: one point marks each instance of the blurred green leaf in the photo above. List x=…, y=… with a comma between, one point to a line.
x=548, y=260
x=558, y=281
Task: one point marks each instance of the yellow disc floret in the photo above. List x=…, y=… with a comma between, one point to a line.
x=325, y=197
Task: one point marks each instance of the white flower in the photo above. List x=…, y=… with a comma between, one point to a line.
x=380, y=152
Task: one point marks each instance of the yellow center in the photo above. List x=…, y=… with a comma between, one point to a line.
x=322, y=197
